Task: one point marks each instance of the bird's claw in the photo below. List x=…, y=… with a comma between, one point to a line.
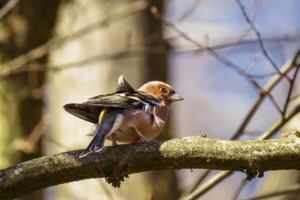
x=143, y=139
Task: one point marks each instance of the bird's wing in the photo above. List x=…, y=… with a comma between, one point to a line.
x=119, y=100
x=89, y=114
x=124, y=86
x=124, y=97
x=91, y=109
x=126, y=90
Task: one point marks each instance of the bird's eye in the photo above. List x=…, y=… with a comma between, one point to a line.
x=164, y=90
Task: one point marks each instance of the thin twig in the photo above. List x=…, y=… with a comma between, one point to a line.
x=264, y=75
x=295, y=97
x=292, y=83
x=209, y=49
x=239, y=43
x=82, y=63
x=216, y=55
x=239, y=189
x=269, y=86
x=253, y=64
x=106, y=190
x=196, y=184
x=254, y=41
x=256, y=6
x=189, y=11
x=275, y=103
x=296, y=133
x=258, y=36
x=287, y=190
x=209, y=184
x=10, y=5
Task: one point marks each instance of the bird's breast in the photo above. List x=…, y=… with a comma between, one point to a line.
x=142, y=120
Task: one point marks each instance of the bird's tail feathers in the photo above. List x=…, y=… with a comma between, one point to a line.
x=97, y=143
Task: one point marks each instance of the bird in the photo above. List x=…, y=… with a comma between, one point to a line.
x=127, y=115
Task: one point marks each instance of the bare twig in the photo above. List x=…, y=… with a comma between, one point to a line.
x=189, y=11
x=264, y=75
x=196, y=184
x=216, y=55
x=258, y=36
x=116, y=55
x=239, y=189
x=269, y=86
x=106, y=190
x=295, y=97
x=10, y=5
x=292, y=83
x=208, y=49
x=256, y=6
x=287, y=190
x=209, y=184
x=287, y=38
x=253, y=64
x=297, y=133
x=252, y=41
x=275, y=103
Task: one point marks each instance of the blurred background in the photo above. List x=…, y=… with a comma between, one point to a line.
x=212, y=53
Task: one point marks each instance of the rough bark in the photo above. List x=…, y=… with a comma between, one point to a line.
x=251, y=157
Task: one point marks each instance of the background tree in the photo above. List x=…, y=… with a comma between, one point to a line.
x=28, y=24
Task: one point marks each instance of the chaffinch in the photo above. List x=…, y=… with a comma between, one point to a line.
x=127, y=115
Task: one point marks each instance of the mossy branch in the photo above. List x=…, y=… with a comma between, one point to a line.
x=251, y=157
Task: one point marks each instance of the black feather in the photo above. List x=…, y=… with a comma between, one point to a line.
x=90, y=114
x=98, y=142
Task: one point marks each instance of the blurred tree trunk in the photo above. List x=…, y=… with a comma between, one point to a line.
x=122, y=33
x=27, y=26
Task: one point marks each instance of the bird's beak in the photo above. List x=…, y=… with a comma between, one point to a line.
x=175, y=97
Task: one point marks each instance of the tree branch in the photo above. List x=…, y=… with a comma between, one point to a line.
x=10, y=5
x=252, y=157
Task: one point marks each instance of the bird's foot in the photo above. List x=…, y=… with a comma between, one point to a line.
x=114, y=143
x=143, y=139
x=113, y=140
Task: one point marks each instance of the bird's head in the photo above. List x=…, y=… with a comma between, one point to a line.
x=161, y=91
